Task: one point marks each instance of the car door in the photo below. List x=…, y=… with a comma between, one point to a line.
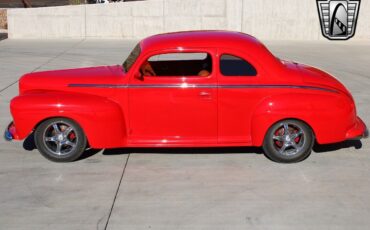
x=176, y=106
x=239, y=79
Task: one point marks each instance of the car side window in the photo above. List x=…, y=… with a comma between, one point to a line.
x=132, y=58
x=231, y=65
x=178, y=65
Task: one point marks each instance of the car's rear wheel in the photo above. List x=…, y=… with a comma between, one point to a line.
x=288, y=141
x=60, y=140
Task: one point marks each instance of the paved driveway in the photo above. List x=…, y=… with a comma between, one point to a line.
x=230, y=188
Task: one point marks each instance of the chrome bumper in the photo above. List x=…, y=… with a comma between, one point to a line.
x=358, y=131
x=366, y=134
x=8, y=136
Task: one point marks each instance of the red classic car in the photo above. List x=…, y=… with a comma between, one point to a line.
x=186, y=89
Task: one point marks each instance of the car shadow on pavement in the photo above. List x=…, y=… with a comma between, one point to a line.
x=357, y=144
x=29, y=145
x=189, y=150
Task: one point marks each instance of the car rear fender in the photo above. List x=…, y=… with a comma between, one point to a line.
x=328, y=114
x=101, y=119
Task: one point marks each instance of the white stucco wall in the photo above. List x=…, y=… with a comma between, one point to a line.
x=265, y=19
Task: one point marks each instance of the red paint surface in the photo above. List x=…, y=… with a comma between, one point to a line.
x=119, y=115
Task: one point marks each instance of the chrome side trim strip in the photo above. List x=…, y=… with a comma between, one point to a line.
x=278, y=86
x=183, y=85
x=210, y=86
x=97, y=85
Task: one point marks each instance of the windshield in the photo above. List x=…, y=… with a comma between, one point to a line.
x=130, y=60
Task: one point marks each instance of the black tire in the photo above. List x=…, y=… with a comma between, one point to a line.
x=60, y=140
x=292, y=146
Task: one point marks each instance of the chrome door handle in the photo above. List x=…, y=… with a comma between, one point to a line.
x=204, y=94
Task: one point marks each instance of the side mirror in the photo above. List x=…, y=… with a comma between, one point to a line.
x=139, y=76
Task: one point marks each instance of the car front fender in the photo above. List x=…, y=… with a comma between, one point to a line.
x=101, y=119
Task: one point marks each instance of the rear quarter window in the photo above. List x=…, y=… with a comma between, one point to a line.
x=231, y=65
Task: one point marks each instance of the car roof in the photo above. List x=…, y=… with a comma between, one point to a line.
x=205, y=38
x=212, y=39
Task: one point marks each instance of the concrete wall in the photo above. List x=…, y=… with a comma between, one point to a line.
x=33, y=3
x=3, y=19
x=265, y=19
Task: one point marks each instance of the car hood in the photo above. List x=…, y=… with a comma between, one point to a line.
x=60, y=79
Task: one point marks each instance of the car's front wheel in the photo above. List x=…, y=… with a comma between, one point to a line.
x=60, y=140
x=288, y=141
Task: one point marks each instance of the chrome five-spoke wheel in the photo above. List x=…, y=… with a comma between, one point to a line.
x=60, y=139
x=288, y=141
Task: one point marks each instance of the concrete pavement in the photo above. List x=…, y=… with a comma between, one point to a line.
x=227, y=188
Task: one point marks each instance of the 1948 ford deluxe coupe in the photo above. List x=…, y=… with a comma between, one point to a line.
x=186, y=89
